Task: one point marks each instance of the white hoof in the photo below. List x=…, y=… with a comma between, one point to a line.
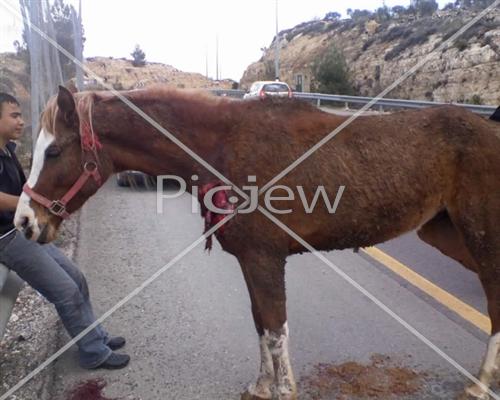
x=476, y=392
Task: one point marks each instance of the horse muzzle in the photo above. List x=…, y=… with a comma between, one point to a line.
x=26, y=221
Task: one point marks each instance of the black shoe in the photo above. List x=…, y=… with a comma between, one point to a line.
x=116, y=342
x=115, y=361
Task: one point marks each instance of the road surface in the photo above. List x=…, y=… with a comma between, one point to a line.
x=190, y=332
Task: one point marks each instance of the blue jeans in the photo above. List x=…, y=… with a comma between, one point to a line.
x=54, y=276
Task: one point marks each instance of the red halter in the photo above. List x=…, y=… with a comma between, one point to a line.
x=89, y=142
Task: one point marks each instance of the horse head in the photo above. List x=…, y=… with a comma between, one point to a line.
x=68, y=167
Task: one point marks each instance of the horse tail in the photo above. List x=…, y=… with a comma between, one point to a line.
x=496, y=115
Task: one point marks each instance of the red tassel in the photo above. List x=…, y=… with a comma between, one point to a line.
x=220, y=200
x=89, y=390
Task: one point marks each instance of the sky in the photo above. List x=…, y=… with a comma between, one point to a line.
x=183, y=33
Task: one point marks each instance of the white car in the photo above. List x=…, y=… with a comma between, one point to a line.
x=263, y=89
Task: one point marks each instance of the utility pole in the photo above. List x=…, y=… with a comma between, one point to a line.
x=78, y=45
x=277, y=54
x=206, y=61
x=217, y=57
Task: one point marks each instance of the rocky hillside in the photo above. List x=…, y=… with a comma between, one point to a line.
x=121, y=74
x=378, y=53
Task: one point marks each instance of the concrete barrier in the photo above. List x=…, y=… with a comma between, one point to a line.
x=10, y=285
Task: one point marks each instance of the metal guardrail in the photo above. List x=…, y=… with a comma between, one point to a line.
x=228, y=92
x=10, y=285
x=391, y=103
x=380, y=104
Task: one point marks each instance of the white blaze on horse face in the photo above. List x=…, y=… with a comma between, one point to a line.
x=24, y=211
x=277, y=343
x=489, y=367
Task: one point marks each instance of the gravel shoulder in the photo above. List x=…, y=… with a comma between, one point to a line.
x=32, y=334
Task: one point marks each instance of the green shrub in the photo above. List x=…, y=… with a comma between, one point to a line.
x=397, y=32
x=331, y=73
x=461, y=44
x=368, y=43
x=138, y=57
x=419, y=36
x=476, y=99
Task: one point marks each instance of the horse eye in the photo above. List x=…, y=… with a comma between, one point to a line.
x=52, y=151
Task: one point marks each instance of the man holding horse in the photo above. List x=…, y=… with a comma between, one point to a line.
x=45, y=267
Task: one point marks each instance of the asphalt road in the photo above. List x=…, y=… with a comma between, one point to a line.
x=190, y=332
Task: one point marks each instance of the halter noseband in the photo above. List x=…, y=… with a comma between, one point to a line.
x=89, y=143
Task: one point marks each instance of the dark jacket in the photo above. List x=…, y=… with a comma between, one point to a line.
x=12, y=180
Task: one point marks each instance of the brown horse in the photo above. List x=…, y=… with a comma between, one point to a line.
x=436, y=170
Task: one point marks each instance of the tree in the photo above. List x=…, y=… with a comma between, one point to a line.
x=139, y=57
x=449, y=6
x=426, y=7
x=398, y=11
x=331, y=73
x=411, y=10
x=332, y=16
x=475, y=4
x=382, y=14
x=62, y=19
x=361, y=15
x=62, y=16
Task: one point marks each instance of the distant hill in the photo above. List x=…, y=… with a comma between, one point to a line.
x=119, y=73
x=377, y=53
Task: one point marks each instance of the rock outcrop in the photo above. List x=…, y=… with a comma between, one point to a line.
x=377, y=54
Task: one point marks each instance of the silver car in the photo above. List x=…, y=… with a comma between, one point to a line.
x=263, y=89
x=135, y=178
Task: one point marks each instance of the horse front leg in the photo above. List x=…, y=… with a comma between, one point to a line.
x=265, y=279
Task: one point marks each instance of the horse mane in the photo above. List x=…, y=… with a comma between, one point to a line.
x=199, y=106
x=205, y=109
x=201, y=97
x=48, y=117
x=83, y=100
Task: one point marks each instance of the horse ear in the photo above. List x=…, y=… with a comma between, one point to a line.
x=66, y=104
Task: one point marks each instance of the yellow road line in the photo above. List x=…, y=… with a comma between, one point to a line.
x=442, y=296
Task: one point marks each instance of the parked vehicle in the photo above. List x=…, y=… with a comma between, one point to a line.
x=263, y=89
x=134, y=178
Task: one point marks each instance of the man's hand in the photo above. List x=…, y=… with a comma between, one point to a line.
x=8, y=202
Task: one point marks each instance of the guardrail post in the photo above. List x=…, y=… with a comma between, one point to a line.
x=381, y=108
x=346, y=105
x=10, y=285
x=318, y=102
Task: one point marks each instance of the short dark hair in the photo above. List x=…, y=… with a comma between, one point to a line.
x=7, y=98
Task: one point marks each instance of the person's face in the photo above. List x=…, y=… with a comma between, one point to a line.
x=11, y=122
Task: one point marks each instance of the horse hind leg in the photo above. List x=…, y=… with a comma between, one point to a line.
x=490, y=365
x=265, y=279
x=477, y=218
